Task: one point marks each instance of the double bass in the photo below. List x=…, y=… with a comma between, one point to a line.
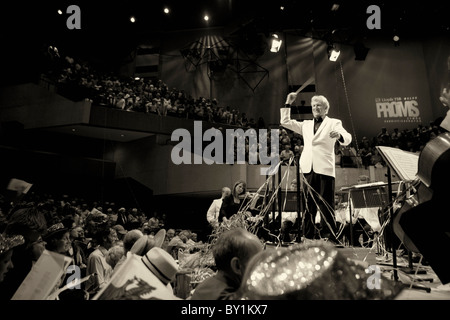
x=433, y=176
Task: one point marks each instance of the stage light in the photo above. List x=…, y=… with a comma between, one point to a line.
x=132, y=19
x=166, y=10
x=333, y=53
x=276, y=43
x=206, y=18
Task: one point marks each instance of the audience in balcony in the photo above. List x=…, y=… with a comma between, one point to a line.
x=78, y=80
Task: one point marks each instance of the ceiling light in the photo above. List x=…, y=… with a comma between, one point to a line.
x=206, y=18
x=333, y=53
x=132, y=19
x=276, y=43
x=335, y=7
x=396, y=39
x=166, y=10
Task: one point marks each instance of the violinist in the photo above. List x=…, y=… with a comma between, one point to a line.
x=237, y=200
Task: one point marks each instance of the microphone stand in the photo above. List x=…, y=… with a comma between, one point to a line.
x=299, y=201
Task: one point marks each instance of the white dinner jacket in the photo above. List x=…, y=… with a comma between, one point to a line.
x=318, y=152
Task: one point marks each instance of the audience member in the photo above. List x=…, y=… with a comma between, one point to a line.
x=7, y=245
x=128, y=241
x=29, y=222
x=79, y=248
x=154, y=223
x=169, y=236
x=232, y=251
x=286, y=154
x=121, y=232
x=58, y=239
x=162, y=265
x=122, y=217
x=178, y=242
x=105, y=237
x=133, y=220
x=114, y=255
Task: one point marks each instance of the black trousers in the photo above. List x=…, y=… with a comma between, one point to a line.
x=322, y=185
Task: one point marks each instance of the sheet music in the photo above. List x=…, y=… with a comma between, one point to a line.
x=46, y=273
x=403, y=162
x=134, y=281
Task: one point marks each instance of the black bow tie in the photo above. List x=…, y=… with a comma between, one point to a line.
x=318, y=119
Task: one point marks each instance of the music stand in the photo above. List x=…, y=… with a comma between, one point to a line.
x=404, y=164
x=371, y=195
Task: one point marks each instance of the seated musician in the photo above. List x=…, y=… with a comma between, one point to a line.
x=236, y=201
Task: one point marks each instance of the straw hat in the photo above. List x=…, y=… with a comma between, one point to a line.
x=159, y=237
x=143, y=245
x=161, y=264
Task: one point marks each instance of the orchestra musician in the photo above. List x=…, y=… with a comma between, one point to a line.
x=236, y=201
x=426, y=224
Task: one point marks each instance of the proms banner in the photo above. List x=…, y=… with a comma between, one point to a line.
x=398, y=110
x=388, y=89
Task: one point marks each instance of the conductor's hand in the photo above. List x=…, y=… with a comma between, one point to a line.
x=291, y=98
x=335, y=134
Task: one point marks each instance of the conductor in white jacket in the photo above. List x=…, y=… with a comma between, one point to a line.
x=317, y=162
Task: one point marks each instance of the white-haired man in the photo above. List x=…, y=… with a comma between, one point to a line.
x=317, y=162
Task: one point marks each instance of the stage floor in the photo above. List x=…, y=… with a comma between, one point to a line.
x=421, y=282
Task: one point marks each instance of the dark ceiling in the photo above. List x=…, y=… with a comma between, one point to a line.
x=109, y=20
x=107, y=31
